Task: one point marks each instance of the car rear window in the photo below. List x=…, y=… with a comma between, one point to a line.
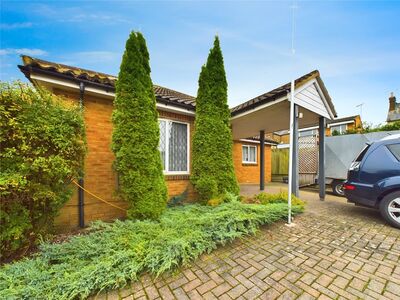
x=395, y=149
x=362, y=154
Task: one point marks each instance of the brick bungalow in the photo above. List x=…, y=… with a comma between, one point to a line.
x=176, y=116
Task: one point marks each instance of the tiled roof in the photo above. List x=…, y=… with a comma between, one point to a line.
x=281, y=91
x=172, y=95
x=163, y=94
x=108, y=81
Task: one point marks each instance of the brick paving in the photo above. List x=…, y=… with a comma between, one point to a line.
x=335, y=251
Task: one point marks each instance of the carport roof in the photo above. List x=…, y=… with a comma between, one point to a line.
x=282, y=91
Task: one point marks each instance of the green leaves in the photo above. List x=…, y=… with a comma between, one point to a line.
x=115, y=253
x=42, y=149
x=213, y=172
x=136, y=134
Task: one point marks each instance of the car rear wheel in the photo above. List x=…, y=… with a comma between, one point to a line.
x=337, y=187
x=390, y=208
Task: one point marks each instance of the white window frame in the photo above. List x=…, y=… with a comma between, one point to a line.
x=166, y=172
x=314, y=132
x=340, y=126
x=248, y=150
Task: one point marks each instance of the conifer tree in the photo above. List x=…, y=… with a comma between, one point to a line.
x=136, y=134
x=212, y=171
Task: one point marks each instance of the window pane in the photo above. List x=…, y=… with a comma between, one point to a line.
x=245, y=153
x=395, y=149
x=163, y=141
x=252, y=154
x=362, y=154
x=178, y=147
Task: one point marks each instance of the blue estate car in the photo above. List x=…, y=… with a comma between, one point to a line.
x=373, y=179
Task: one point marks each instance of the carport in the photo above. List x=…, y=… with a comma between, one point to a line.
x=282, y=109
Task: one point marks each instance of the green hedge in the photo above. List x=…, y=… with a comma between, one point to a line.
x=42, y=149
x=115, y=253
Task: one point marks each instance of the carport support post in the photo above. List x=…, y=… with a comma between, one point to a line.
x=295, y=153
x=321, y=162
x=262, y=160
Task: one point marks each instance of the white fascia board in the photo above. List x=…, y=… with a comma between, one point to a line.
x=255, y=142
x=309, y=128
x=175, y=109
x=111, y=95
x=282, y=146
x=340, y=123
x=259, y=107
x=328, y=108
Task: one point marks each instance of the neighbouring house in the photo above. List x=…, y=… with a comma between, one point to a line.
x=394, y=109
x=176, y=110
x=335, y=126
x=342, y=125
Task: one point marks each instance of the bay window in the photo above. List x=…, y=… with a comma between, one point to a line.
x=174, y=146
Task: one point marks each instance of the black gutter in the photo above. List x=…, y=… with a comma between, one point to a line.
x=81, y=194
x=27, y=70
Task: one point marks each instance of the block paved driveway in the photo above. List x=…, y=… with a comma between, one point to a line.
x=335, y=251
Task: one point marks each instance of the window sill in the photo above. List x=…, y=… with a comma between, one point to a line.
x=179, y=176
x=249, y=163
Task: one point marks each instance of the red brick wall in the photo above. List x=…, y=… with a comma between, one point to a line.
x=100, y=178
x=250, y=173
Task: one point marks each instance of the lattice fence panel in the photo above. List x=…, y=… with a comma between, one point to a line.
x=308, y=154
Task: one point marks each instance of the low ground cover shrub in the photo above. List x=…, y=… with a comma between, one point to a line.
x=226, y=197
x=42, y=147
x=282, y=197
x=112, y=254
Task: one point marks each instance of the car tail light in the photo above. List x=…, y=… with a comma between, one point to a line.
x=349, y=187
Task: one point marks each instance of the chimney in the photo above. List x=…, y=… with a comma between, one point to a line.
x=392, y=102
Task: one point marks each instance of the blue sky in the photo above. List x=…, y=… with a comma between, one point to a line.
x=355, y=45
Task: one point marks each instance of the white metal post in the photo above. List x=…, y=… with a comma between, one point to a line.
x=291, y=127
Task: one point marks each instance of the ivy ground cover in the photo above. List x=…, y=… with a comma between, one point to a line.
x=115, y=253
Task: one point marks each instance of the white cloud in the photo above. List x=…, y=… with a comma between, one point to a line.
x=77, y=15
x=8, y=26
x=25, y=51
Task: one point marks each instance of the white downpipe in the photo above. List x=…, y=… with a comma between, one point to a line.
x=291, y=133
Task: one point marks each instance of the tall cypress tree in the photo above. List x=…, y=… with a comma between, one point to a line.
x=212, y=171
x=136, y=134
